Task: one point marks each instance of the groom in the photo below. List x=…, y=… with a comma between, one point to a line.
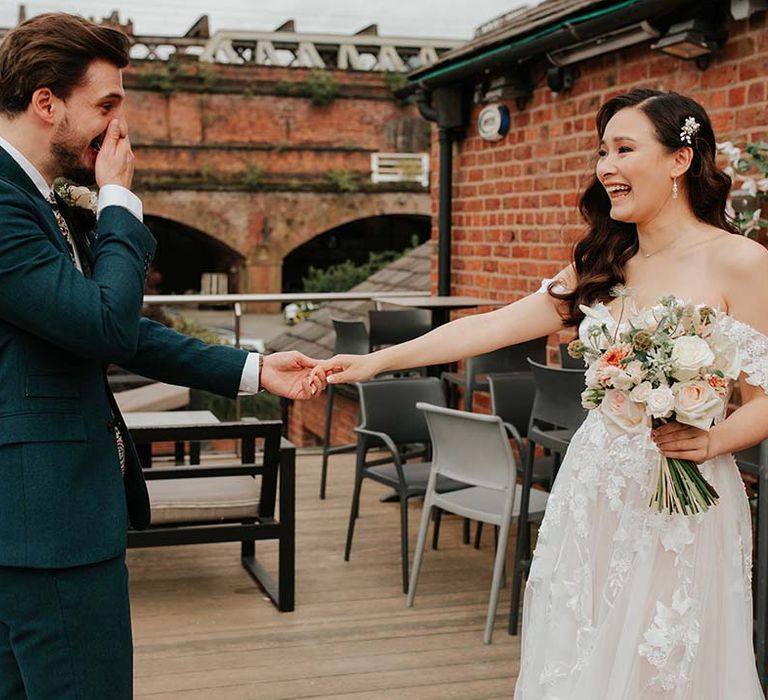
x=70, y=304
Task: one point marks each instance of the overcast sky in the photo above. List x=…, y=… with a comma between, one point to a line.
x=425, y=18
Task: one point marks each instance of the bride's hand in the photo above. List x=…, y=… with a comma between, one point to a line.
x=679, y=441
x=345, y=369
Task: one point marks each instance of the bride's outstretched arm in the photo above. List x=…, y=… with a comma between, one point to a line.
x=532, y=317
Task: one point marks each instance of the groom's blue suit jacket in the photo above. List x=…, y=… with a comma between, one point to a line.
x=63, y=501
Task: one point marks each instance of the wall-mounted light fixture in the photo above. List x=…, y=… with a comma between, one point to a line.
x=515, y=86
x=605, y=43
x=561, y=78
x=692, y=40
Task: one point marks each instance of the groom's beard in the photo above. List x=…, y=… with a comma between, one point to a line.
x=67, y=148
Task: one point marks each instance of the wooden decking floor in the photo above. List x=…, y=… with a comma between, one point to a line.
x=202, y=629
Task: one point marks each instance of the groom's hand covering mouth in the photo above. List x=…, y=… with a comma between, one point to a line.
x=114, y=161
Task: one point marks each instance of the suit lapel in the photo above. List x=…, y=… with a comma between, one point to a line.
x=11, y=171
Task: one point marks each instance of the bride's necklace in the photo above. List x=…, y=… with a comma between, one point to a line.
x=664, y=247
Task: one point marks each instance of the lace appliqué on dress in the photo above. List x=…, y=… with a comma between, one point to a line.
x=752, y=347
x=598, y=541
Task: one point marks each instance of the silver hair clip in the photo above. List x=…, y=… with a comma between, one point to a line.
x=690, y=129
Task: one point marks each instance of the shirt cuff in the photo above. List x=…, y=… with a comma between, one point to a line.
x=249, y=382
x=116, y=195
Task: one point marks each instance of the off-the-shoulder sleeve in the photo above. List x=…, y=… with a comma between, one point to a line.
x=752, y=348
x=559, y=287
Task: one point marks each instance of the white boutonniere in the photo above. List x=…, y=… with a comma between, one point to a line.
x=76, y=196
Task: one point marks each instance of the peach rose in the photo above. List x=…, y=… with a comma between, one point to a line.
x=696, y=404
x=621, y=414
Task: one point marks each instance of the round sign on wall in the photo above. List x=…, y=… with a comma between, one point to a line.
x=493, y=122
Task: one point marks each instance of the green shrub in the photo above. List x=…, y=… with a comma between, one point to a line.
x=344, y=276
x=342, y=180
x=252, y=176
x=394, y=82
x=159, y=81
x=322, y=88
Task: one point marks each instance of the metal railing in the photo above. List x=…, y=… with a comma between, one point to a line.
x=236, y=300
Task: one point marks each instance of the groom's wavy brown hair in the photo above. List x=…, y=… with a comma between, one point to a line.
x=53, y=50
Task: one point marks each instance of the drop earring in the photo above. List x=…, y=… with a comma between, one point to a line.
x=674, y=188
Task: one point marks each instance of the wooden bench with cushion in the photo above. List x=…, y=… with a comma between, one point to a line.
x=195, y=504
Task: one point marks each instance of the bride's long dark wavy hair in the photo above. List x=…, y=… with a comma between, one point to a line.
x=600, y=256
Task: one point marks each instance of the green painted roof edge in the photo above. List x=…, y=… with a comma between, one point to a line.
x=531, y=37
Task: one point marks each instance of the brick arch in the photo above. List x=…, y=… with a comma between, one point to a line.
x=264, y=227
x=337, y=210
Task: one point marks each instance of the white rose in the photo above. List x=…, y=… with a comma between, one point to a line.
x=621, y=414
x=590, y=376
x=84, y=198
x=689, y=354
x=623, y=381
x=641, y=392
x=696, y=404
x=727, y=357
x=660, y=402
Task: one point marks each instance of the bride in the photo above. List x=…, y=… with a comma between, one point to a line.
x=622, y=602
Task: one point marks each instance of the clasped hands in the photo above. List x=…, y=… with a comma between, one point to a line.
x=295, y=376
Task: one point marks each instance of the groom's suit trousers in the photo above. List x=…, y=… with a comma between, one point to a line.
x=65, y=634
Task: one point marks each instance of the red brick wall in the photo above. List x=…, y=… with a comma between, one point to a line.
x=206, y=119
x=307, y=421
x=514, y=200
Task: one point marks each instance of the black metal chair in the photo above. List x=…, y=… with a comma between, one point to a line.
x=476, y=369
x=755, y=461
x=568, y=362
x=393, y=327
x=556, y=415
x=227, y=503
x=351, y=339
x=389, y=418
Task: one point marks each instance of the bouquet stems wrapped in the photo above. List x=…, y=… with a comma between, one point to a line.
x=680, y=488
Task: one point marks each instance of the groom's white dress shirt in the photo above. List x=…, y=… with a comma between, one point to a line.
x=115, y=195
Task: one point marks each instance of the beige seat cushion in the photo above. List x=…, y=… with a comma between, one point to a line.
x=204, y=499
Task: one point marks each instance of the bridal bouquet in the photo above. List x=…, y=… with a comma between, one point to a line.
x=669, y=363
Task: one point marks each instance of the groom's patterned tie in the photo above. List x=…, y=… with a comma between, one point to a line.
x=64, y=228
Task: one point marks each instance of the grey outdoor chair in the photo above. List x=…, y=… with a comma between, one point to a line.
x=351, y=339
x=473, y=450
x=512, y=396
x=556, y=415
x=755, y=461
x=474, y=377
x=389, y=418
x=393, y=327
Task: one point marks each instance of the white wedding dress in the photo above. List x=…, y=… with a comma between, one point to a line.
x=622, y=603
